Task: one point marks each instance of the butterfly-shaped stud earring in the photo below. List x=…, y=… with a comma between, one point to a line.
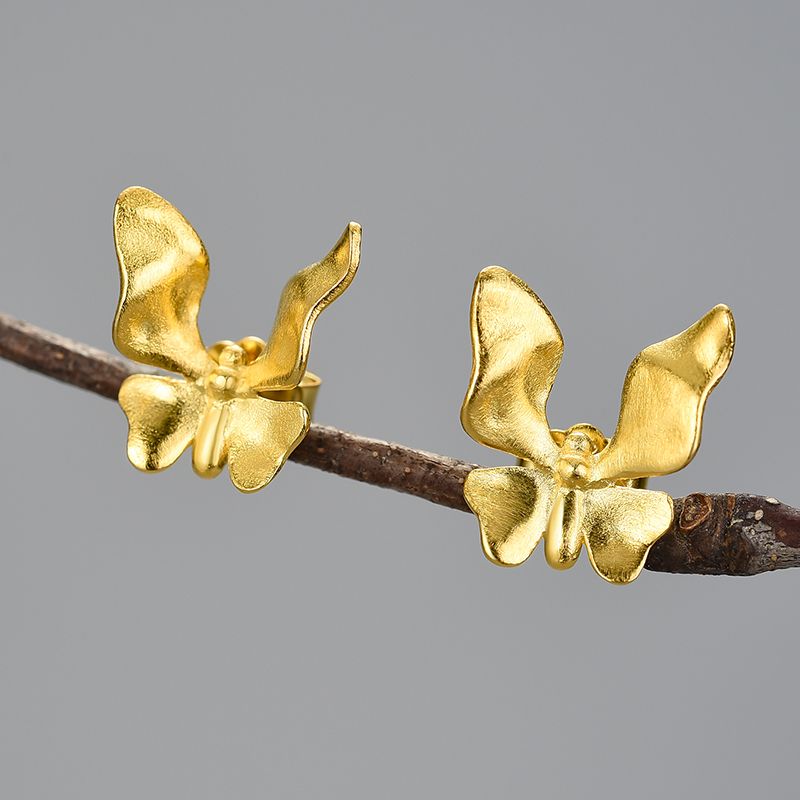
x=246, y=403
x=574, y=487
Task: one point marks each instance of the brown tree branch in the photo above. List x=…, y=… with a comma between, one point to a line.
x=712, y=534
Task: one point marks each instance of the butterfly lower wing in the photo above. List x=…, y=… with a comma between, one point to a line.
x=512, y=505
x=663, y=399
x=163, y=274
x=260, y=435
x=163, y=415
x=620, y=526
x=283, y=361
x=516, y=352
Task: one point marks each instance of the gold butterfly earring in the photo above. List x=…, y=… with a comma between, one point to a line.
x=246, y=403
x=575, y=487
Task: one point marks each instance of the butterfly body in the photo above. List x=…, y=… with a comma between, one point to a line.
x=575, y=488
x=578, y=447
x=562, y=537
x=227, y=380
x=208, y=452
x=224, y=382
x=576, y=452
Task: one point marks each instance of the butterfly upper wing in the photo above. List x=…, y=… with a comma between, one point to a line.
x=260, y=434
x=283, y=361
x=163, y=415
x=620, y=526
x=512, y=505
x=516, y=352
x=163, y=274
x=663, y=400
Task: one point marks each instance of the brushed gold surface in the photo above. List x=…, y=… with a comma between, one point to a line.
x=575, y=487
x=163, y=268
x=517, y=350
x=260, y=434
x=245, y=403
x=163, y=415
x=620, y=526
x=512, y=505
x=282, y=362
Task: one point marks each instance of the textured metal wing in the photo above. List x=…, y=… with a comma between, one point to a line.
x=512, y=505
x=516, y=352
x=163, y=274
x=305, y=296
x=663, y=399
x=620, y=526
x=163, y=415
x=260, y=435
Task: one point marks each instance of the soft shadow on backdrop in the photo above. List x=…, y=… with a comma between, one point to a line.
x=167, y=637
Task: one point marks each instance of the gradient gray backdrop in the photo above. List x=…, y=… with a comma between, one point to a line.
x=163, y=637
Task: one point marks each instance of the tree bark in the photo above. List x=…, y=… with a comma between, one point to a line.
x=711, y=534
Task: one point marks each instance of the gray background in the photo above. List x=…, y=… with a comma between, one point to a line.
x=164, y=637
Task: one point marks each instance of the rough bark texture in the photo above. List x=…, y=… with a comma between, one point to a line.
x=729, y=534
x=712, y=534
x=63, y=359
x=436, y=478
